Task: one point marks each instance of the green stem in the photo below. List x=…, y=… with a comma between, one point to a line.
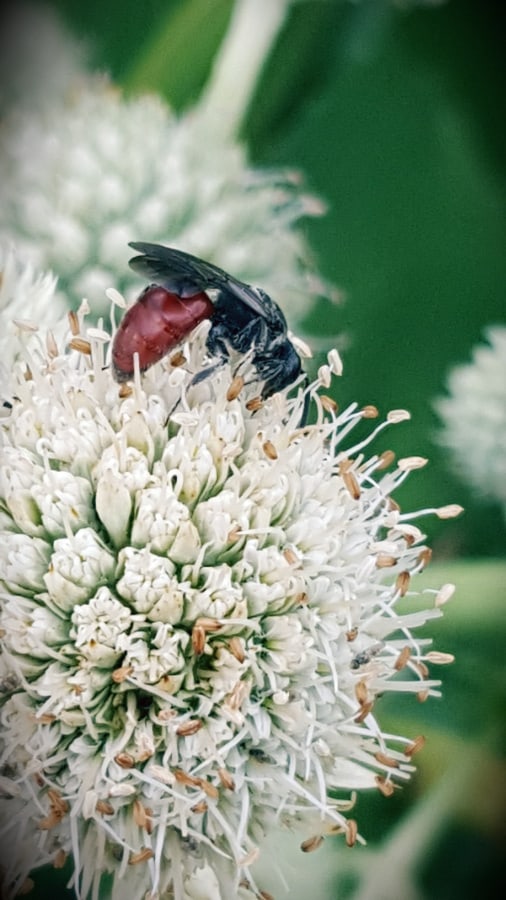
x=390, y=871
x=253, y=29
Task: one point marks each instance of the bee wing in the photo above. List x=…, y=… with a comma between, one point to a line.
x=187, y=275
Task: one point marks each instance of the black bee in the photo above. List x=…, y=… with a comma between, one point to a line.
x=243, y=318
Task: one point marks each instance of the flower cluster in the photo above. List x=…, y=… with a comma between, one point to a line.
x=198, y=611
x=87, y=170
x=474, y=417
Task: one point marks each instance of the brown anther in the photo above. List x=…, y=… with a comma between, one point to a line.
x=301, y=599
x=402, y=583
x=39, y=781
x=236, y=696
x=328, y=403
x=290, y=556
x=370, y=412
x=188, y=728
x=361, y=692
x=425, y=556
x=351, y=484
x=226, y=779
x=73, y=322
x=26, y=888
x=208, y=624
x=177, y=359
x=236, y=647
x=410, y=539
x=51, y=345
x=402, y=659
x=125, y=390
x=386, y=459
x=422, y=696
x=235, y=387
x=233, y=535
x=209, y=789
x=140, y=857
x=200, y=807
x=254, y=404
x=27, y=375
x=416, y=745
x=264, y=895
x=438, y=658
x=351, y=833
x=312, y=843
x=60, y=859
x=386, y=760
x=50, y=821
x=351, y=634
x=45, y=719
x=143, y=816
x=345, y=465
x=187, y=780
x=121, y=674
x=81, y=345
x=421, y=668
x=269, y=450
x=363, y=713
x=57, y=803
x=198, y=640
x=104, y=808
x=384, y=785
x=393, y=505
x=384, y=561
x=125, y=760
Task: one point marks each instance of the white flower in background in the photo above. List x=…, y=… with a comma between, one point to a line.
x=474, y=417
x=25, y=295
x=198, y=612
x=91, y=170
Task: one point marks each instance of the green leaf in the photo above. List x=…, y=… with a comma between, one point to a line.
x=177, y=59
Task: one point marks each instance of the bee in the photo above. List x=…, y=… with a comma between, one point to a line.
x=243, y=319
x=365, y=656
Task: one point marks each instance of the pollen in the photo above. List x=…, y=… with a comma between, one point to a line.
x=384, y=785
x=81, y=345
x=270, y=450
x=140, y=857
x=402, y=583
x=311, y=844
x=415, y=747
x=235, y=388
x=402, y=660
x=190, y=727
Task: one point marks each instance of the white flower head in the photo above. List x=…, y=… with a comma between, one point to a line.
x=474, y=417
x=88, y=170
x=198, y=612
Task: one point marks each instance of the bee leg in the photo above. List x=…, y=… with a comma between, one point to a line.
x=207, y=372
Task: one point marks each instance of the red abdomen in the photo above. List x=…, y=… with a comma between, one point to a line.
x=154, y=325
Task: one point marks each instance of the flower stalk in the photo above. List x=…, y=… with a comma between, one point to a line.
x=254, y=27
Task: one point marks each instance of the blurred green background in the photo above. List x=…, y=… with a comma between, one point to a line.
x=395, y=115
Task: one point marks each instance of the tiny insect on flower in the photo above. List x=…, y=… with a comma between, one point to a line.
x=244, y=319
